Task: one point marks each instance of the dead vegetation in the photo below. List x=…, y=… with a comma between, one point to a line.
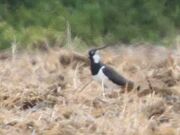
x=51, y=93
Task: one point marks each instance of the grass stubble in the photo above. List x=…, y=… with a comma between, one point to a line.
x=51, y=93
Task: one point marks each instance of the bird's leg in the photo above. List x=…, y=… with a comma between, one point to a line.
x=102, y=84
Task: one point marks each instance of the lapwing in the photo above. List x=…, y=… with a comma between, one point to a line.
x=106, y=75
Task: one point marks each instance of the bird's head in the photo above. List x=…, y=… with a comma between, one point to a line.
x=94, y=55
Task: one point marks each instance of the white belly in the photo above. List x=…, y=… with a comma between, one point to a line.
x=100, y=77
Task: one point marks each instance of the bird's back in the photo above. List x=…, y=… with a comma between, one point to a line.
x=116, y=78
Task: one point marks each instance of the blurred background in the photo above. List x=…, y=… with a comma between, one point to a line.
x=46, y=86
x=31, y=23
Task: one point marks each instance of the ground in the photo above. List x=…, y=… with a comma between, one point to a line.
x=50, y=92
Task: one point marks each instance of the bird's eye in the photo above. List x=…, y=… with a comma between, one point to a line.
x=92, y=52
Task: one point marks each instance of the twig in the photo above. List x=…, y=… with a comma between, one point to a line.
x=149, y=83
x=85, y=86
x=68, y=35
x=14, y=47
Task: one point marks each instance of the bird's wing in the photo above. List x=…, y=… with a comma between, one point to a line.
x=114, y=76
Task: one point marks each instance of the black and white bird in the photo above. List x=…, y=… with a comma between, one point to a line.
x=106, y=75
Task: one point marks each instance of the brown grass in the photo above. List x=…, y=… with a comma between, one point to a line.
x=50, y=93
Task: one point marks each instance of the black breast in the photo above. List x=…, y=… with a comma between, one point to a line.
x=95, y=67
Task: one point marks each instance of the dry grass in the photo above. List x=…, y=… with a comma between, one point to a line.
x=44, y=94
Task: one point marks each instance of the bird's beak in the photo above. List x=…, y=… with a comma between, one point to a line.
x=103, y=47
x=97, y=52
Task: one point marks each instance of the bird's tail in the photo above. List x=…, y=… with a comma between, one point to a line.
x=129, y=85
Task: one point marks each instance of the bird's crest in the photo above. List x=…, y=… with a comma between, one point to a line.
x=93, y=53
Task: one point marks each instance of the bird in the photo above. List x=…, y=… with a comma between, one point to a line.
x=106, y=75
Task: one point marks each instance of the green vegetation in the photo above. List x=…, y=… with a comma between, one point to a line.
x=34, y=22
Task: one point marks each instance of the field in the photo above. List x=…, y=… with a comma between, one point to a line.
x=50, y=92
